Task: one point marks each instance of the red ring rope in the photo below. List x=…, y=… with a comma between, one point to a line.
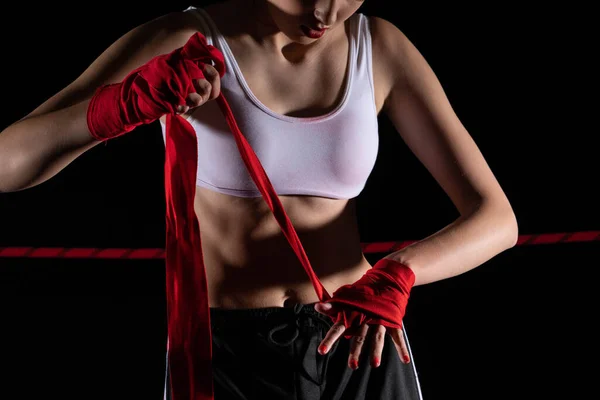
x=146, y=254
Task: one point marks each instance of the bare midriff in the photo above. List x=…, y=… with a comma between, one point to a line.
x=249, y=262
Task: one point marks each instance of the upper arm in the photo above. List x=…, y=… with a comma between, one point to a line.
x=419, y=109
x=136, y=47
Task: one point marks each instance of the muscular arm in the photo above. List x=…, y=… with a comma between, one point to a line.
x=420, y=111
x=37, y=147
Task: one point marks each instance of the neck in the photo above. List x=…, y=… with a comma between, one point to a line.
x=253, y=18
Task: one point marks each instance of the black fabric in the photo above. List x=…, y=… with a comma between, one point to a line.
x=271, y=353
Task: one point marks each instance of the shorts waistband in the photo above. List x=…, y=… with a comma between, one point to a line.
x=228, y=316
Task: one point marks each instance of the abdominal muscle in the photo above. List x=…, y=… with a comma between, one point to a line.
x=249, y=262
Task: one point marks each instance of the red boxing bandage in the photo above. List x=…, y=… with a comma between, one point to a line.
x=148, y=92
x=378, y=298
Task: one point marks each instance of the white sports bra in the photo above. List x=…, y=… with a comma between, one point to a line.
x=329, y=156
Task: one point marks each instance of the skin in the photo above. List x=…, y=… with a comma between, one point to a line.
x=244, y=249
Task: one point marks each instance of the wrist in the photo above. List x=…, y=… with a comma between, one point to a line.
x=388, y=262
x=105, y=119
x=401, y=272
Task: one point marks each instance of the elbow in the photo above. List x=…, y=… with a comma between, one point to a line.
x=11, y=171
x=7, y=173
x=512, y=230
x=510, y=226
x=503, y=220
x=6, y=166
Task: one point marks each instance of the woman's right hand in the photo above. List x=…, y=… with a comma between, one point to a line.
x=170, y=83
x=207, y=89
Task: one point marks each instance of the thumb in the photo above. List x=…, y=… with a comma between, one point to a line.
x=323, y=308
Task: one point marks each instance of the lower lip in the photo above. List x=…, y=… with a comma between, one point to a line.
x=311, y=33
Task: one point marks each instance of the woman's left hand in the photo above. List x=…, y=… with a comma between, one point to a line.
x=375, y=334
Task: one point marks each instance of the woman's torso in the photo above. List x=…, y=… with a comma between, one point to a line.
x=249, y=263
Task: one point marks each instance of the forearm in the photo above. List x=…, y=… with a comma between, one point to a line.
x=466, y=243
x=35, y=149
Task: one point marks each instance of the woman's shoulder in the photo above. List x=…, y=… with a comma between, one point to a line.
x=170, y=30
x=385, y=35
x=391, y=55
x=391, y=47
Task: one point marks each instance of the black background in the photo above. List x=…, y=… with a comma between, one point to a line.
x=517, y=327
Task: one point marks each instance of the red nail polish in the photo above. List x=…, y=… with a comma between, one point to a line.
x=322, y=349
x=375, y=363
x=406, y=359
x=354, y=363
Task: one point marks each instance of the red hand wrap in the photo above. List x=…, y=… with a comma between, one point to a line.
x=378, y=298
x=150, y=91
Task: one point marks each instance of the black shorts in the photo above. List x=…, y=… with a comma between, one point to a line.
x=271, y=353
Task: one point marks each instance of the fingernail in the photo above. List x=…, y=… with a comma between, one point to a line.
x=327, y=306
x=354, y=363
x=406, y=359
x=322, y=349
x=375, y=362
x=179, y=109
